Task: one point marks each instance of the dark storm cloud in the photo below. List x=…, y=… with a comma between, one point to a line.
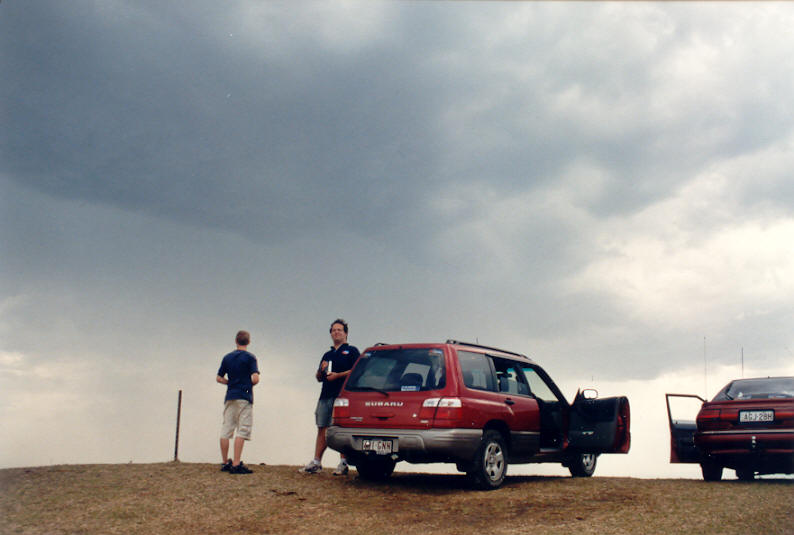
x=151, y=111
x=183, y=114
x=434, y=143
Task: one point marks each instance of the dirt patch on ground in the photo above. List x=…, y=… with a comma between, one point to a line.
x=179, y=498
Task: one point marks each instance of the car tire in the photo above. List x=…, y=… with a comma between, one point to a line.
x=711, y=471
x=489, y=466
x=582, y=464
x=375, y=468
x=745, y=474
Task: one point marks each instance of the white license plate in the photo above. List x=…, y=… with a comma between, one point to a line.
x=756, y=416
x=380, y=447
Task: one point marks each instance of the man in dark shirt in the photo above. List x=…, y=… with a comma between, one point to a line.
x=239, y=372
x=334, y=368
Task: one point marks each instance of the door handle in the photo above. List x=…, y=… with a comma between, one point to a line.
x=509, y=401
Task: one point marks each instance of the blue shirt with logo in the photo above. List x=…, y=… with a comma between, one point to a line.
x=339, y=360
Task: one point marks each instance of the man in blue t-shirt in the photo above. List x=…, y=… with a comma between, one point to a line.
x=239, y=372
x=334, y=368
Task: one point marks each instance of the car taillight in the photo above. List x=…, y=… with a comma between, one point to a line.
x=341, y=408
x=708, y=419
x=448, y=409
x=428, y=410
x=440, y=409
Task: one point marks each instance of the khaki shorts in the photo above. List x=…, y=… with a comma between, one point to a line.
x=237, y=414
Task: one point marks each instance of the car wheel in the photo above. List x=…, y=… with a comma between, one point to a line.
x=711, y=471
x=745, y=474
x=582, y=464
x=489, y=467
x=375, y=468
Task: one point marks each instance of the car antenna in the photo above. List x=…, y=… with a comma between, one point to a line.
x=705, y=371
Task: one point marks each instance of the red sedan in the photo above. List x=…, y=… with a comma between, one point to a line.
x=748, y=427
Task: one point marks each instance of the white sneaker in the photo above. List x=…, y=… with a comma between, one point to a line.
x=342, y=469
x=312, y=467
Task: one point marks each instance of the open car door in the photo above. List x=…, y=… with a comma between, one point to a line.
x=599, y=425
x=682, y=434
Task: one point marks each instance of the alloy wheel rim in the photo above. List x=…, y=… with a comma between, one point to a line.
x=588, y=460
x=494, y=461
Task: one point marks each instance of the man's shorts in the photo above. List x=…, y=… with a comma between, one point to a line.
x=237, y=414
x=324, y=412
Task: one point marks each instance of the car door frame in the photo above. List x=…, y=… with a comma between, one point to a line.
x=553, y=413
x=682, y=435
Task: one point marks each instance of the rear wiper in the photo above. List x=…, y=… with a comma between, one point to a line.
x=369, y=389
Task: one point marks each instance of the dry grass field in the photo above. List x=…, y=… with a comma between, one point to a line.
x=179, y=498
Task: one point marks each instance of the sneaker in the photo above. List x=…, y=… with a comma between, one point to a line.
x=225, y=467
x=240, y=469
x=342, y=469
x=312, y=468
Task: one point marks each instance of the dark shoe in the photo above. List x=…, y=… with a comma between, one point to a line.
x=225, y=467
x=240, y=469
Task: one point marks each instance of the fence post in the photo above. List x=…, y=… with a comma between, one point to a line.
x=178, y=417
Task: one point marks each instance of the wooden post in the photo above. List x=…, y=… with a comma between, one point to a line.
x=178, y=417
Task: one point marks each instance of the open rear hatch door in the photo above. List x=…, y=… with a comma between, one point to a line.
x=682, y=431
x=599, y=425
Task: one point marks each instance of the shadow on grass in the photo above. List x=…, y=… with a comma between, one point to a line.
x=441, y=483
x=452, y=483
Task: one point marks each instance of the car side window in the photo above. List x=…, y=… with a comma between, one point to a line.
x=510, y=379
x=537, y=385
x=477, y=371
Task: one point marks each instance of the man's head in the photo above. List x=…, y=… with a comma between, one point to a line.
x=243, y=338
x=338, y=332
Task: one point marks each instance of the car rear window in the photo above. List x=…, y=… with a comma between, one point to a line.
x=767, y=388
x=399, y=370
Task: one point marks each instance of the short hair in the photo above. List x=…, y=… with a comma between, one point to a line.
x=243, y=338
x=341, y=322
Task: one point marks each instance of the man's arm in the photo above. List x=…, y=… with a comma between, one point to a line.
x=335, y=376
x=222, y=380
x=255, y=378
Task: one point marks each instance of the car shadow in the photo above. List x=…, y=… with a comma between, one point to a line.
x=441, y=483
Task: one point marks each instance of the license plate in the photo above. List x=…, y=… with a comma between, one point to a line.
x=380, y=447
x=756, y=416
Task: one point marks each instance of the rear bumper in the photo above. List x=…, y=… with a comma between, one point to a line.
x=413, y=445
x=768, y=440
x=765, y=450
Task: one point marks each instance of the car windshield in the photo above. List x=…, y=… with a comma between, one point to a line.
x=767, y=388
x=398, y=370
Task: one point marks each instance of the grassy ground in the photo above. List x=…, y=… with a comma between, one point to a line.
x=179, y=498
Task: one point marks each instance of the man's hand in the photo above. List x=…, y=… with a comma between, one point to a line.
x=322, y=374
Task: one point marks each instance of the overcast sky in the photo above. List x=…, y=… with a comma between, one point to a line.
x=603, y=186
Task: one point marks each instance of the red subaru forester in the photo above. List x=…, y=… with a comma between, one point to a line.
x=475, y=406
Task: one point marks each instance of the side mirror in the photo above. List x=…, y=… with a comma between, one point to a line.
x=589, y=393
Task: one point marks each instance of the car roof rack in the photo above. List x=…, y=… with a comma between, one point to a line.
x=458, y=342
